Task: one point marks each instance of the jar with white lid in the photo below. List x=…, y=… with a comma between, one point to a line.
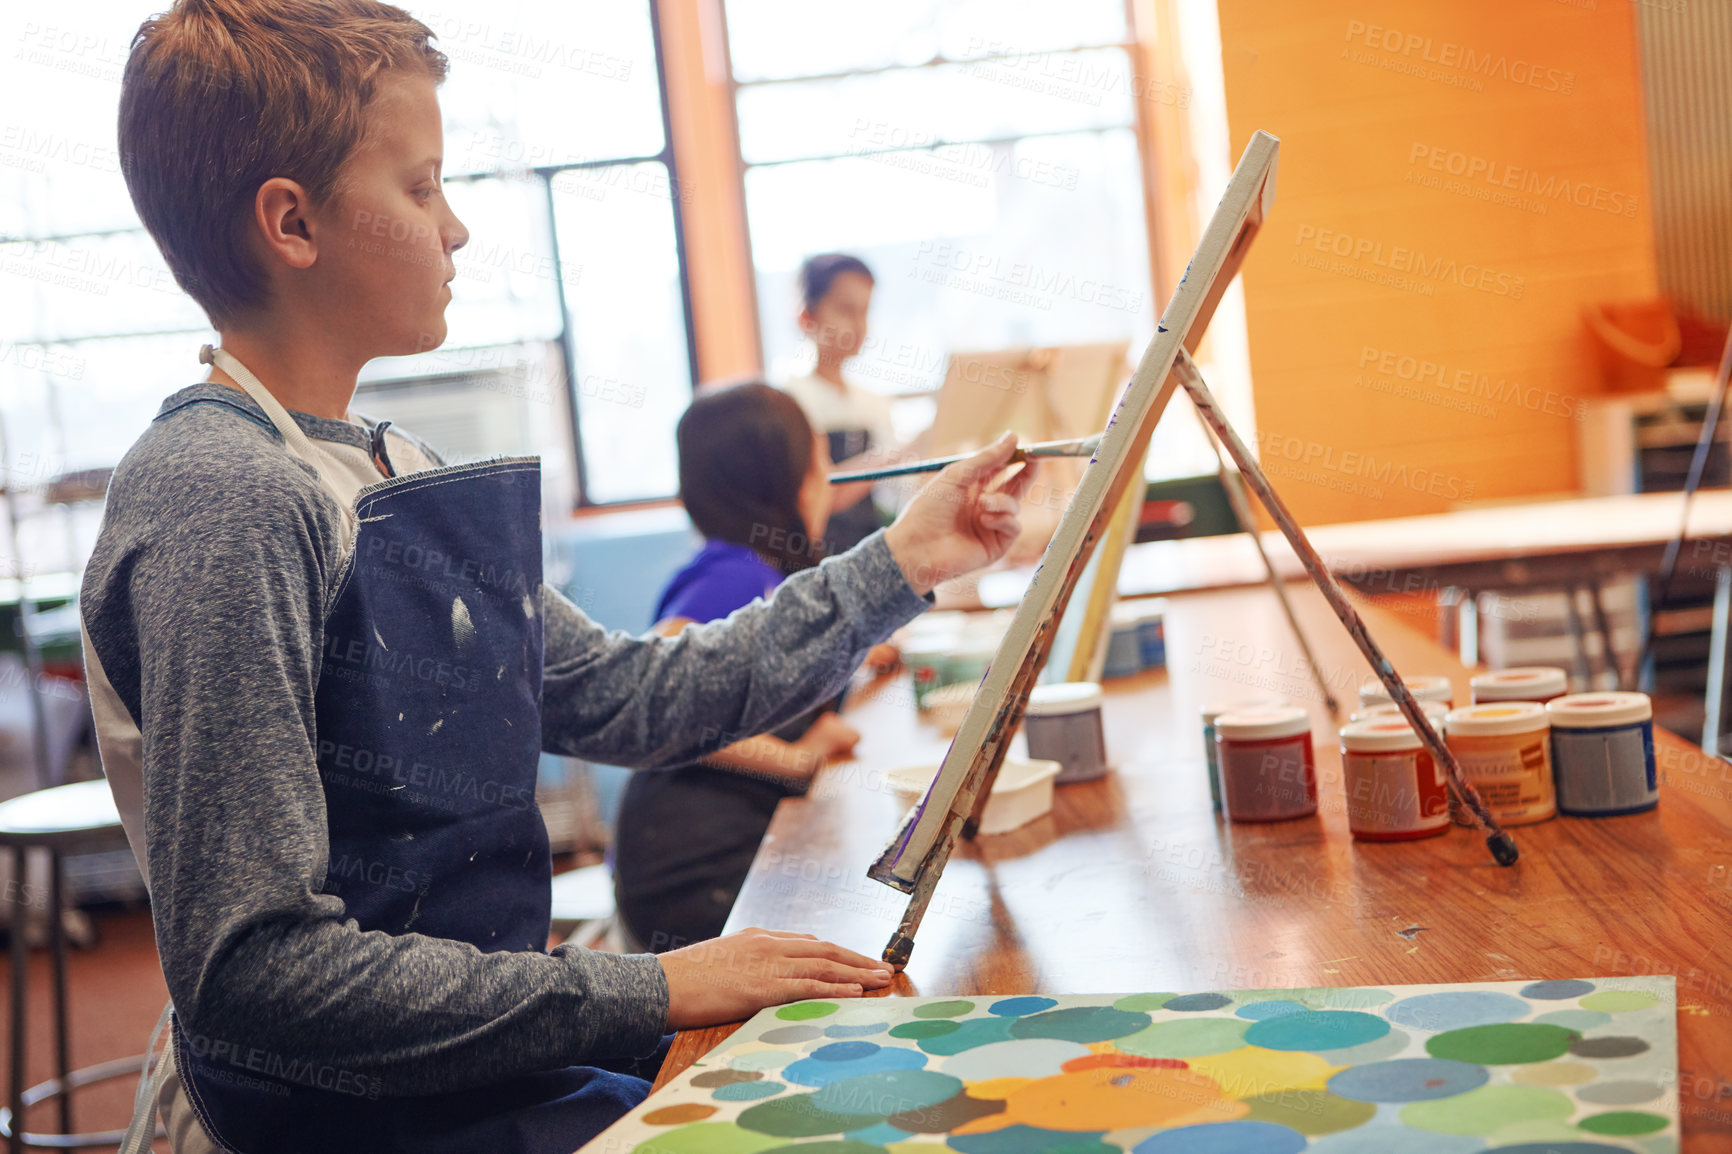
x=1062, y=723
x=1395, y=788
x=1268, y=769
x=1426, y=688
x=1504, y=750
x=1603, y=751
x=1209, y=713
x=1538, y=683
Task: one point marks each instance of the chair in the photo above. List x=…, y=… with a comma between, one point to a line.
x=66, y=819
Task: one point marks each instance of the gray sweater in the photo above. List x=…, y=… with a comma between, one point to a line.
x=204, y=601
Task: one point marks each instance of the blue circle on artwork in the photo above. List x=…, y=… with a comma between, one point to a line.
x=746, y=1091
x=813, y=1071
x=1408, y=1080
x=1381, y=1139
x=1456, y=1010
x=1258, y=1011
x=1577, y=1020
x=1224, y=1138
x=1191, y=1003
x=1316, y=1030
x=1016, y=1007
x=844, y=1051
x=859, y=1031
x=1556, y=991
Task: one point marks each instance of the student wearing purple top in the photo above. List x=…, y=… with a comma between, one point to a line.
x=753, y=480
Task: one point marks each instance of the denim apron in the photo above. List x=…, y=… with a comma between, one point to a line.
x=428, y=713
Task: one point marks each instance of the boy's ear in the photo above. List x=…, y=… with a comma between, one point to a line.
x=808, y=322
x=283, y=214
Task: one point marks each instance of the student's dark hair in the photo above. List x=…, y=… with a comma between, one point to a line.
x=818, y=273
x=744, y=451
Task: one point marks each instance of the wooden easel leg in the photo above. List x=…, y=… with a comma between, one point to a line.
x=1501, y=845
x=1248, y=522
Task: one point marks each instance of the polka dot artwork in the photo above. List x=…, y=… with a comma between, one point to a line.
x=1567, y=1066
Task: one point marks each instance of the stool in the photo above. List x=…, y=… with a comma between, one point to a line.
x=76, y=818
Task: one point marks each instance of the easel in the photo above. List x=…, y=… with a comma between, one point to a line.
x=915, y=858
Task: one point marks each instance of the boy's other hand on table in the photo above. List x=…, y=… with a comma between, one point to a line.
x=964, y=519
x=728, y=979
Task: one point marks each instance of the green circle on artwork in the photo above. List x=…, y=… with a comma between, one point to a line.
x=1134, y=1002
x=1186, y=1038
x=1503, y=1044
x=805, y=1011
x=1488, y=1108
x=1619, y=1001
x=927, y=1029
x=1623, y=1123
x=953, y=1009
x=799, y=1116
x=708, y=1138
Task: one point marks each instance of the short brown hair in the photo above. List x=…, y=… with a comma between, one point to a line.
x=220, y=96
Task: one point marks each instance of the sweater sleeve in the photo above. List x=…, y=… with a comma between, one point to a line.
x=204, y=599
x=653, y=702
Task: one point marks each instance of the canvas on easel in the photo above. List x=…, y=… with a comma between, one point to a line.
x=1054, y=393
x=915, y=857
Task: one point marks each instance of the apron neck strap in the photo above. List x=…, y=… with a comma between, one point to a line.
x=298, y=442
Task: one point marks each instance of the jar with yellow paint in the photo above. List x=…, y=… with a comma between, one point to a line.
x=1504, y=749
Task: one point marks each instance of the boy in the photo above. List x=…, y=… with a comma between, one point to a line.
x=320, y=713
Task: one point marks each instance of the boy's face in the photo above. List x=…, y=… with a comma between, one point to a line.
x=838, y=325
x=384, y=258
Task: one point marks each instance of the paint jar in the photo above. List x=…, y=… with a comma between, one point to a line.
x=1138, y=640
x=1435, y=712
x=1538, y=683
x=968, y=659
x=1423, y=689
x=1603, y=751
x=1268, y=771
x=1504, y=750
x=1209, y=713
x=926, y=658
x=1395, y=789
x=1063, y=723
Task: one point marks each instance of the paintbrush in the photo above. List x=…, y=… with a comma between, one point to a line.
x=1080, y=447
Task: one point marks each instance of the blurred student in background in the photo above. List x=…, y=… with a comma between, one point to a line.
x=835, y=294
x=753, y=477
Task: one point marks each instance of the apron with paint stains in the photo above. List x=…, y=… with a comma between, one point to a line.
x=428, y=713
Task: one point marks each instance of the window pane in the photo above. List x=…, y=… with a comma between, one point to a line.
x=506, y=288
x=1048, y=246
x=772, y=39
x=91, y=285
x=919, y=107
x=59, y=166
x=622, y=290
x=534, y=83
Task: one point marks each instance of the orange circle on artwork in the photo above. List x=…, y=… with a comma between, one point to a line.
x=1111, y=1098
x=675, y=1115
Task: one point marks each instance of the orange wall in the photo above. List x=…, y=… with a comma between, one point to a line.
x=1457, y=180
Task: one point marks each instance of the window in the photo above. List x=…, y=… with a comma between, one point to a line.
x=980, y=156
x=570, y=295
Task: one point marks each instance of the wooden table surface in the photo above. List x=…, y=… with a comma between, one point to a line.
x=1132, y=883
x=1543, y=543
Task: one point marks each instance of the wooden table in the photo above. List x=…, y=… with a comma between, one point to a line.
x=1542, y=546
x=1132, y=883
